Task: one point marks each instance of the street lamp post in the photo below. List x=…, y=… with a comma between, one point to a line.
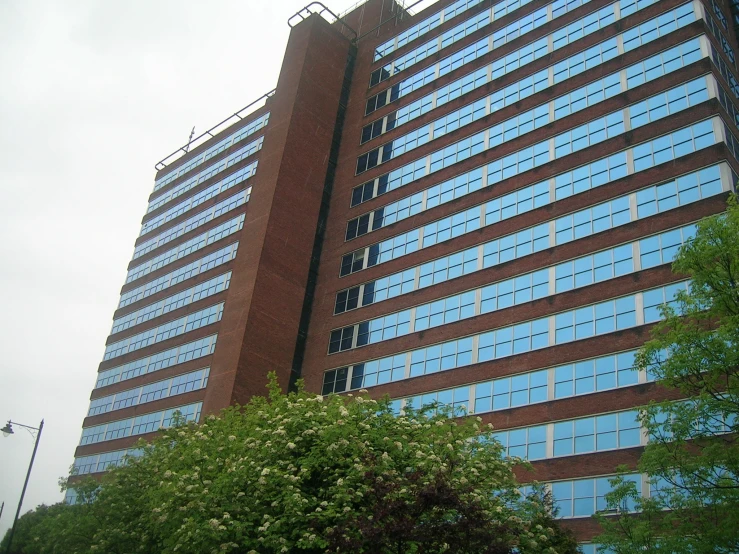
x=7, y=431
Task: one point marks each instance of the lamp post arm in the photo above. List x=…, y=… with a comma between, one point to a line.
x=28, y=426
x=25, y=485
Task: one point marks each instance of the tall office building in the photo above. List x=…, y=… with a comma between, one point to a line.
x=477, y=204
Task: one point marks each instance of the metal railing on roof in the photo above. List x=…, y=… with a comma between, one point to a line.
x=397, y=16
x=210, y=133
x=352, y=7
x=400, y=3
x=320, y=9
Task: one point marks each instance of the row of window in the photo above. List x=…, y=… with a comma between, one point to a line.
x=224, y=144
x=451, y=122
x=534, y=118
x=575, y=436
x=542, y=385
x=193, y=222
x=422, y=52
x=706, y=424
x=188, y=247
x=725, y=45
x=206, y=174
x=541, y=47
x=463, y=57
x=582, y=61
x=650, y=153
x=646, y=32
x=499, y=99
x=433, y=21
x=727, y=103
x=719, y=14
x=583, y=377
x=214, y=259
x=572, y=325
x=585, y=497
x=195, y=380
x=165, y=331
x=649, y=69
x=146, y=423
x=183, y=298
x=563, y=144
x=161, y=360
x=731, y=142
x=724, y=71
x=580, y=272
x=584, y=435
x=190, y=184
x=733, y=5
x=592, y=548
x=84, y=465
x=194, y=201
x=215, y=168
x=486, y=44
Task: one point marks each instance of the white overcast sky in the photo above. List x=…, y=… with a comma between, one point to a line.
x=92, y=94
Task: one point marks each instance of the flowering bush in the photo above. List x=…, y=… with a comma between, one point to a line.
x=305, y=473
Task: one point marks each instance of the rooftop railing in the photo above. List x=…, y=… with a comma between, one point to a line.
x=213, y=131
x=321, y=9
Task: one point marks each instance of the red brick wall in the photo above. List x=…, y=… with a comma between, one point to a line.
x=264, y=303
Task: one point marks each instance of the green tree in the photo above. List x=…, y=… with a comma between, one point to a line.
x=304, y=473
x=692, y=458
x=59, y=528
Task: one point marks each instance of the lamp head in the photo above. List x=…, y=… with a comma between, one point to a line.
x=7, y=430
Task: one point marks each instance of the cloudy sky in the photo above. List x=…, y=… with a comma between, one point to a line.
x=92, y=94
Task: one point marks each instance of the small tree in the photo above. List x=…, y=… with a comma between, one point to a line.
x=305, y=473
x=693, y=455
x=59, y=528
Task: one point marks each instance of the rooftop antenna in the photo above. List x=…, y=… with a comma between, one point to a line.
x=189, y=140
